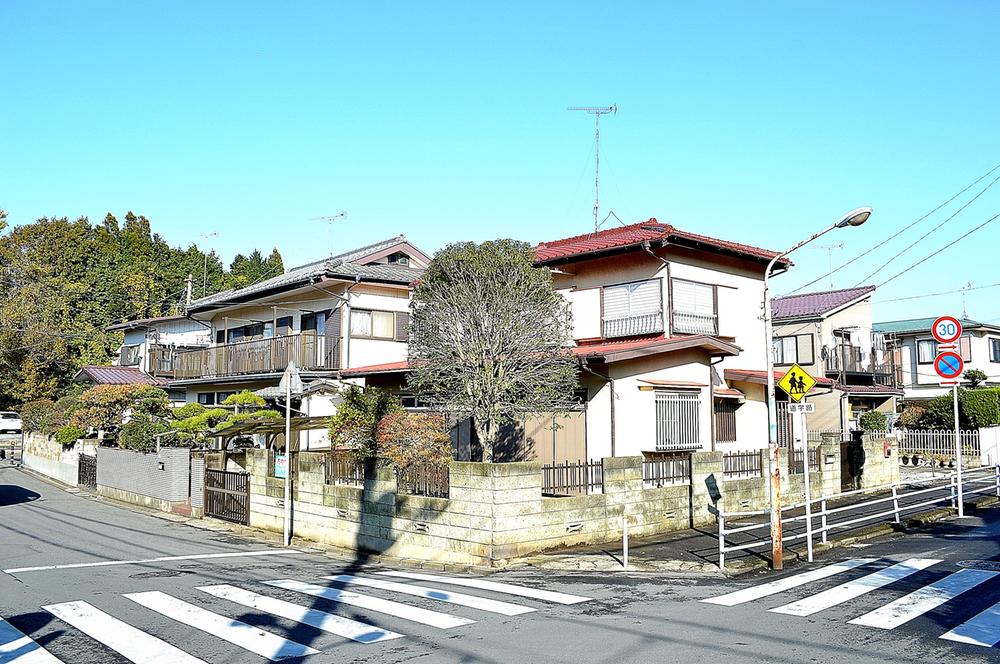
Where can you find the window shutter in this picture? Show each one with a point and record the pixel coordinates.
(805, 355)
(332, 336)
(615, 302)
(644, 297)
(694, 298)
(965, 348)
(402, 325)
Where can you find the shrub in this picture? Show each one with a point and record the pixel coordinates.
(981, 406)
(356, 424)
(188, 410)
(140, 432)
(940, 414)
(68, 434)
(408, 439)
(244, 398)
(149, 400)
(976, 377)
(872, 420)
(910, 417)
(104, 406)
(37, 415)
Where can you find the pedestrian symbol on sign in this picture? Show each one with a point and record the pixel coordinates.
(796, 383)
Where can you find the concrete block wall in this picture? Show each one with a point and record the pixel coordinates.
(136, 477)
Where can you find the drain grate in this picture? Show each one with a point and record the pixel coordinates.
(986, 565)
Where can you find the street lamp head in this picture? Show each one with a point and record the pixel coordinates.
(855, 217)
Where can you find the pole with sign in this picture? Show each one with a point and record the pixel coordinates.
(801, 410)
(949, 366)
(796, 383)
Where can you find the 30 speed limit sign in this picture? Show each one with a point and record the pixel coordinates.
(947, 329)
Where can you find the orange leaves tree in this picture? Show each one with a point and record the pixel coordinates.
(414, 439)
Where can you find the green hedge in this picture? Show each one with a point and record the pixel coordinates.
(67, 435)
(872, 420)
(981, 406)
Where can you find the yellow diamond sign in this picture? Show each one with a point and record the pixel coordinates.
(796, 383)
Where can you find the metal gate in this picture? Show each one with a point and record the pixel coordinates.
(227, 495)
(87, 472)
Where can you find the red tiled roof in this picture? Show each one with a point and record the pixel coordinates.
(760, 376)
(387, 367)
(816, 304)
(636, 234)
(654, 344)
(728, 392)
(109, 375)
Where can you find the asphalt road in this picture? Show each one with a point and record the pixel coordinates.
(626, 618)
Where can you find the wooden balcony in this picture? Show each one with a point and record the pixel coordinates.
(258, 356)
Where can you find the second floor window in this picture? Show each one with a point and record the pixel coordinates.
(374, 324)
(129, 356)
(634, 308)
(927, 349)
(793, 349)
(694, 307)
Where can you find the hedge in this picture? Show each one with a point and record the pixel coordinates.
(981, 406)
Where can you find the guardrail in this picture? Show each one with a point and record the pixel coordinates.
(975, 481)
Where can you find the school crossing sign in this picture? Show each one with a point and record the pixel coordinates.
(796, 383)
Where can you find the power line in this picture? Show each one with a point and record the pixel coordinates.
(922, 237)
(895, 235)
(931, 255)
(948, 292)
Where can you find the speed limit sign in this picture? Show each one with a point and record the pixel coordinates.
(946, 329)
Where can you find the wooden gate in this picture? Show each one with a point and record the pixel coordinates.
(227, 495)
(87, 472)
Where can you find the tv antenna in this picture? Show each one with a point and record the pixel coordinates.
(829, 255)
(597, 112)
(330, 219)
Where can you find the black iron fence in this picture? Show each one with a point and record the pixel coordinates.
(227, 495)
(666, 471)
(569, 478)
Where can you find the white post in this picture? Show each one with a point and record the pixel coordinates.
(958, 454)
(625, 542)
(722, 535)
(895, 503)
(822, 507)
(805, 468)
(288, 463)
(996, 472)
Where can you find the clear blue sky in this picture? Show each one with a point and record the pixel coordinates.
(759, 122)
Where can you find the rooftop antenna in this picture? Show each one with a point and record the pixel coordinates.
(829, 254)
(330, 219)
(965, 312)
(597, 112)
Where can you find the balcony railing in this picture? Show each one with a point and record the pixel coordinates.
(688, 323)
(270, 355)
(632, 325)
(848, 359)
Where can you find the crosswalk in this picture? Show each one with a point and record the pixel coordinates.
(982, 629)
(122, 635)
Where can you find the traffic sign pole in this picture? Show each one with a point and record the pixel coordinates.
(949, 365)
(958, 455)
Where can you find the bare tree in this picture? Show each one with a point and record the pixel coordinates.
(490, 337)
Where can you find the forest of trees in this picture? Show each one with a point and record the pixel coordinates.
(63, 282)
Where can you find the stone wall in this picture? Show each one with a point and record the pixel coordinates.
(879, 469)
(44, 455)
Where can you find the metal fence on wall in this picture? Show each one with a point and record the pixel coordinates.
(939, 442)
(569, 478)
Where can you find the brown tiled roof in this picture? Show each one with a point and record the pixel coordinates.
(109, 375)
(760, 376)
(387, 367)
(634, 235)
(816, 304)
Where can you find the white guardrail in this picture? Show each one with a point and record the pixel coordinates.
(975, 481)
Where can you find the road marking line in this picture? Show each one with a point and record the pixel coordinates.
(856, 588)
(248, 637)
(131, 643)
(774, 587)
(980, 630)
(351, 629)
(926, 599)
(432, 618)
(491, 605)
(162, 559)
(482, 584)
(16, 646)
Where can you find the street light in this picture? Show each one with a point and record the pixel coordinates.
(855, 217)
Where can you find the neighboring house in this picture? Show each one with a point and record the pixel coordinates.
(150, 344)
(345, 311)
(915, 350)
(668, 331)
(112, 375)
(830, 335)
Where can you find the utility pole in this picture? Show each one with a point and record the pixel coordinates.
(188, 281)
(597, 112)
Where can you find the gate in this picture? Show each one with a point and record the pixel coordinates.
(227, 495)
(87, 472)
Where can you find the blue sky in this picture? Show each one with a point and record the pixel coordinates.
(758, 122)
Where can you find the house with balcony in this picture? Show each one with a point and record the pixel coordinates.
(914, 350)
(830, 335)
(668, 331)
(348, 310)
(150, 344)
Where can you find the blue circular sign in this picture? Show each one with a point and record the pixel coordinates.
(949, 365)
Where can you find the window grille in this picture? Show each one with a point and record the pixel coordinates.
(677, 415)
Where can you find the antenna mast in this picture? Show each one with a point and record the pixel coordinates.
(829, 255)
(597, 112)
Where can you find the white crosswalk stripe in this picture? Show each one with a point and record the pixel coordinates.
(482, 584)
(481, 603)
(981, 630)
(774, 587)
(923, 600)
(416, 614)
(248, 637)
(328, 622)
(18, 648)
(131, 643)
(856, 588)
